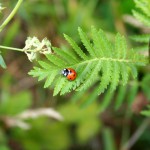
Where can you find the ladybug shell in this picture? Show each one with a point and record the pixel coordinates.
(71, 74)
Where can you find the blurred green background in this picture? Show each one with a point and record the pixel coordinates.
(84, 126)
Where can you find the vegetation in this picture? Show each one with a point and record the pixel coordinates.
(106, 106)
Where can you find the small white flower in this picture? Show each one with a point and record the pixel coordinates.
(33, 47)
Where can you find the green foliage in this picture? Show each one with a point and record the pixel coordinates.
(141, 38)
(4, 147)
(86, 121)
(1, 8)
(46, 133)
(13, 29)
(15, 103)
(146, 112)
(125, 94)
(142, 14)
(3, 141)
(145, 84)
(2, 63)
(104, 61)
(108, 139)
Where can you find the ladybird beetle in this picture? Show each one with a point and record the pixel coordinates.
(69, 73)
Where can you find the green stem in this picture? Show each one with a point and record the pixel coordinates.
(11, 15)
(11, 48)
(19, 49)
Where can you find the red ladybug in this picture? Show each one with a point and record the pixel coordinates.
(69, 73)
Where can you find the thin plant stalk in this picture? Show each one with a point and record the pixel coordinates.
(11, 48)
(7, 20)
(136, 135)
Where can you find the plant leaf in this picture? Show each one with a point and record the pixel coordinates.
(108, 63)
(2, 62)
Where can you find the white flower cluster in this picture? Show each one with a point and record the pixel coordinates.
(1, 8)
(33, 47)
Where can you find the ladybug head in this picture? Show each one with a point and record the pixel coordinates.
(65, 72)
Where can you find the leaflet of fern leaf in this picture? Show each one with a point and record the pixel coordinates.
(92, 76)
(144, 5)
(104, 44)
(145, 85)
(106, 100)
(114, 76)
(76, 48)
(83, 71)
(96, 45)
(106, 69)
(56, 61)
(77, 96)
(43, 75)
(142, 47)
(35, 72)
(67, 87)
(143, 38)
(44, 65)
(124, 73)
(66, 56)
(133, 70)
(59, 84)
(137, 59)
(91, 98)
(146, 113)
(132, 93)
(118, 49)
(86, 42)
(143, 18)
(123, 47)
(120, 97)
(50, 79)
(83, 74)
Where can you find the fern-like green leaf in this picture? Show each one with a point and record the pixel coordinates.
(144, 5)
(143, 18)
(143, 38)
(120, 96)
(106, 101)
(60, 83)
(75, 47)
(2, 62)
(146, 112)
(145, 84)
(106, 77)
(50, 79)
(115, 76)
(56, 60)
(65, 55)
(142, 14)
(86, 43)
(105, 62)
(88, 81)
(133, 90)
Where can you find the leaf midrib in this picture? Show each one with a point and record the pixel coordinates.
(106, 59)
